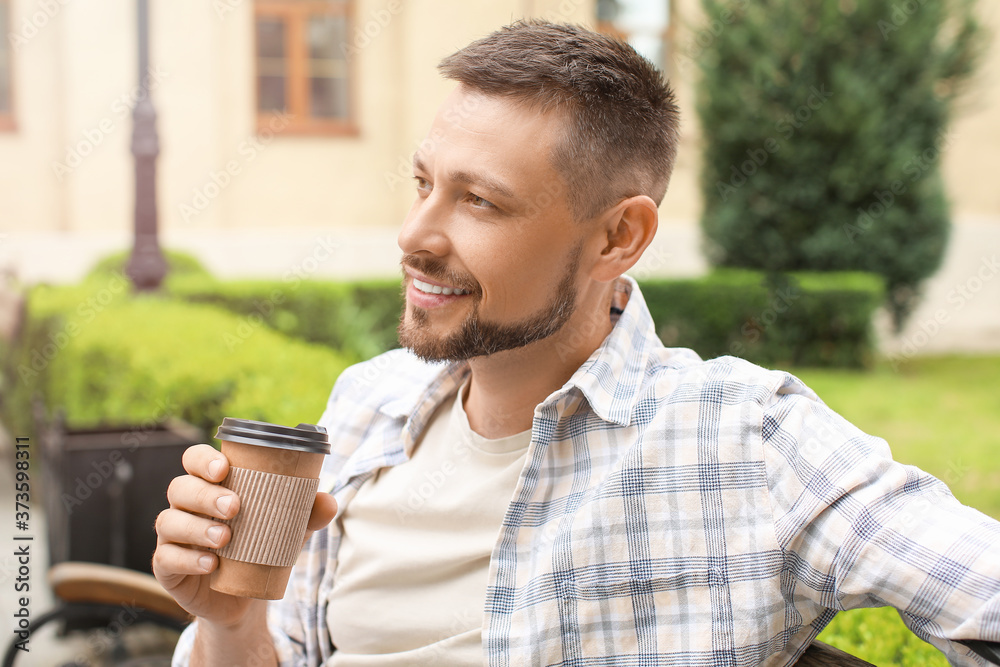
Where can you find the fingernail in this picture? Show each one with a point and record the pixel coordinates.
(224, 503)
(215, 467)
(215, 533)
(206, 562)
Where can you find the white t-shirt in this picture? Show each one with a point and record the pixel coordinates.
(411, 577)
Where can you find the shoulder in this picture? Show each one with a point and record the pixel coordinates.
(723, 379)
(760, 412)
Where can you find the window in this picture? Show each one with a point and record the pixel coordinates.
(645, 24)
(302, 65)
(6, 92)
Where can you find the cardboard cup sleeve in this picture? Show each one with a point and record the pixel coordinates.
(271, 523)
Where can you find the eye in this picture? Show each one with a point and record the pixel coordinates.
(423, 184)
(479, 202)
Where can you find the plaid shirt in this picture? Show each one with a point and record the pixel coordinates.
(671, 511)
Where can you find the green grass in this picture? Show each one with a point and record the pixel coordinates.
(941, 414)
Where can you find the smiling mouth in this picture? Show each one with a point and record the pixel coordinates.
(428, 288)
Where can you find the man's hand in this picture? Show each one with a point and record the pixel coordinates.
(185, 532)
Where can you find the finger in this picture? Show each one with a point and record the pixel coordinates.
(206, 462)
(175, 526)
(323, 510)
(192, 494)
(171, 561)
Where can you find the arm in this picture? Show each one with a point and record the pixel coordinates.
(244, 643)
(861, 530)
(230, 630)
(293, 625)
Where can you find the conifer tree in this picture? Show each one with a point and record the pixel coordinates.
(824, 122)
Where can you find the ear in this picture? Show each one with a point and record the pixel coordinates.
(625, 232)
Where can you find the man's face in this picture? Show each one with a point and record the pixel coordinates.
(491, 251)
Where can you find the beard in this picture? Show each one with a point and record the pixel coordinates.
(477, 337)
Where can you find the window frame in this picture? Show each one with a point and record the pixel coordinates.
(8, 121)
(295, 15)
(668, 37)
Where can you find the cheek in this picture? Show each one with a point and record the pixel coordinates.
(516, 281)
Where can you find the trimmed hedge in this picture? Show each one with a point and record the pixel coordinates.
(357, 318)
(807, 319)
(825, 123)
(178, 264)
(799, 319)
(109, 356)
(144, 358)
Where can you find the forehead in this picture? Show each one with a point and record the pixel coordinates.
(509, 140)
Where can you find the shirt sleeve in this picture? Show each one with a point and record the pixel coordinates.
(859, 529)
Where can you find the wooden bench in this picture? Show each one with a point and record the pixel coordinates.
(823, 655)
(94, 596)
(93, 583)
(90, 583)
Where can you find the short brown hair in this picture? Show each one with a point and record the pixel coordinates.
(624, 121)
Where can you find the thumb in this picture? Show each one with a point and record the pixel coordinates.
(323, 511)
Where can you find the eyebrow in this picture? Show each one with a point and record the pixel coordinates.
(472, 178)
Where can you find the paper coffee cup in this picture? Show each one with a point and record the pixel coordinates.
(274, 470)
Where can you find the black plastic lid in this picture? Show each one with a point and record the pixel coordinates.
(303, 438)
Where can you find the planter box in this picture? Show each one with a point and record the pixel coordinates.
(104, 488)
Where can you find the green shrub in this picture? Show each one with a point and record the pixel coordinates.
(802, 319)
(143, 358)
(824, 122)
(178, 264)
(357, 318)
(727, 312)
(880, 637)
(107, 355)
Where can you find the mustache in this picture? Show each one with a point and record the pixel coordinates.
(438, 270)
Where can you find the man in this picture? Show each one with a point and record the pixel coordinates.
(564, 489)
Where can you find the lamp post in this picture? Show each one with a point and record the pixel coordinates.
(146, 266)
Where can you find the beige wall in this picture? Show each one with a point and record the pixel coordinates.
(30, 197)
(82, 60)
(970, 162)
(71, 75)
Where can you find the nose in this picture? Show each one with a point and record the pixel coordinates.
(425, 228)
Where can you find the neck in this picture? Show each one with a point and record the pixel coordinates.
(505, 388)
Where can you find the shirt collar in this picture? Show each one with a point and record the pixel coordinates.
(610, 379)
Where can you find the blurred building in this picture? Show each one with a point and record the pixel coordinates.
(286, 119)
(272, 113)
